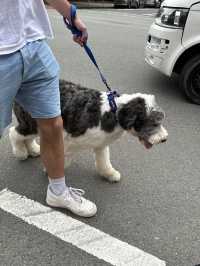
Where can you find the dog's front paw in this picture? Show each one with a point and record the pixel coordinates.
(18, 145)
(112, 175)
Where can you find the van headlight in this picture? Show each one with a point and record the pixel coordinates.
(172, 17)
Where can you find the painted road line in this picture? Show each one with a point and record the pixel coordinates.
(150, 15)
(79, 234)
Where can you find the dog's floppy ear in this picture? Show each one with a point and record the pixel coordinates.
(132, 114)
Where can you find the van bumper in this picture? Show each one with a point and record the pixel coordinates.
(163, 48)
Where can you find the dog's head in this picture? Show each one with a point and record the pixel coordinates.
(143, 118)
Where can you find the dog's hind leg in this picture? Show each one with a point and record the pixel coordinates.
(18, 144)
(104, 166)
(23, 136)
(32, 146)
(23, 146)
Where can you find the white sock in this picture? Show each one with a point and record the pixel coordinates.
(57, 185)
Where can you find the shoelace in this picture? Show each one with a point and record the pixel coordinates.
(75, 193)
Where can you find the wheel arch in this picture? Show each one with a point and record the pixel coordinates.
(185, 56)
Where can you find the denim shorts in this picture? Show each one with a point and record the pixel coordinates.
(29, 76)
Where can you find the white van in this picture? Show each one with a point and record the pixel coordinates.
(173, 44)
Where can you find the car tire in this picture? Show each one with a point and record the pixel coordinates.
(189, 79)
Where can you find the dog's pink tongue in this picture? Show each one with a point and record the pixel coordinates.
(147, 145)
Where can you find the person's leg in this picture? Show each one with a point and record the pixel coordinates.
(40, 96)
(52, 146)
(52, 152)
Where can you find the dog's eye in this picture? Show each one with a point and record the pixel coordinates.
(155, 125)
(138, 125)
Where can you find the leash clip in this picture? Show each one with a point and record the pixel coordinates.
(111, 95)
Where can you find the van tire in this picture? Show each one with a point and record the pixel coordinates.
(189, 79)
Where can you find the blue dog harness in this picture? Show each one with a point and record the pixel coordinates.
(70, 25)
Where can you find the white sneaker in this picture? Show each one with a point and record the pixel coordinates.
(72, 200)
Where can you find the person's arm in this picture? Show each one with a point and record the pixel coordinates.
(64, 7)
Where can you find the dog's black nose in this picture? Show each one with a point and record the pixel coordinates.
(163, 140)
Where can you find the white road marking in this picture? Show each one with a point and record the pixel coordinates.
(83, 236)
(150, 15)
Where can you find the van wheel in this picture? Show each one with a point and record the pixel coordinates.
(190, 79)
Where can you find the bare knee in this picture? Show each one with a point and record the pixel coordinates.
(50, 127)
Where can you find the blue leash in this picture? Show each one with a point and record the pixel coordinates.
(110, 94)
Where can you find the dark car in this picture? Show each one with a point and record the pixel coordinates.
(152, 3)
(129, 3)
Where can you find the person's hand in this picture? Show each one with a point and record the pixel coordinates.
(80, 26)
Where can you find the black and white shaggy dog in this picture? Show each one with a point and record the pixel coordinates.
(89, 123)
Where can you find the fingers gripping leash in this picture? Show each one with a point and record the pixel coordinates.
(71, 26)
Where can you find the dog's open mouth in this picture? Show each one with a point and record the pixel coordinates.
(146, 143)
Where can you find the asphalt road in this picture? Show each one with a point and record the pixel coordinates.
(155, 207)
